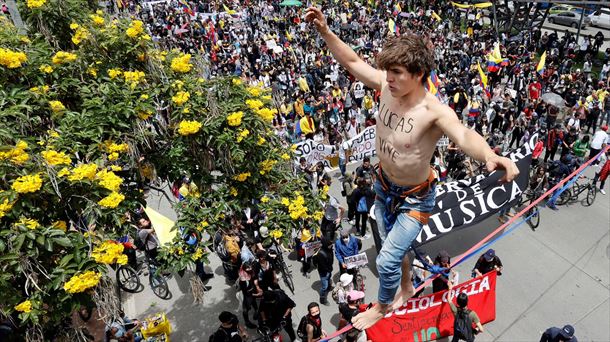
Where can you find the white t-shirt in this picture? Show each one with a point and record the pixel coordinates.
(599, 138)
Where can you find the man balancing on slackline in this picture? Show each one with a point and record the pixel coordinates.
(409, 124)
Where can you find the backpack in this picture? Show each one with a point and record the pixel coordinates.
(139, 243)
(302, 328)
(362, 207)
(335, 292)
(222, 252)
(462, 326)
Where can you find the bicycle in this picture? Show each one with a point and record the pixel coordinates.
(360, 261)
(128, 278)
(358, 279)
(277, 261)
(577, 189)
(532, 215)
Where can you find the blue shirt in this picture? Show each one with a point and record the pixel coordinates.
(343, 250)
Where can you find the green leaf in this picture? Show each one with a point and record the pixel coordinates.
(30, 235)
(40, 240)
(19, 241)
(63, 241)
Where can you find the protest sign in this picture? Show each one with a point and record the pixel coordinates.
(429, 317)
(357, 260)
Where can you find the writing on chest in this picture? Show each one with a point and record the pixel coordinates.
(394, 121)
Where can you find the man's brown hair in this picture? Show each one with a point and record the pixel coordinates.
(409, 51)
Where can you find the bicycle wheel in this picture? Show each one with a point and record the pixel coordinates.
(575, 192)
(591, 193)
(564, 197)
(534, 217)
(287, 277)
(159, 286)
(128, 279)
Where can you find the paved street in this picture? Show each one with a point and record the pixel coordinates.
(555, 275)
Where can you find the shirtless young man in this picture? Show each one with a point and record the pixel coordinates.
(410, 123)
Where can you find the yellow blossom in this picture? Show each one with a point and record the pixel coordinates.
(35, 3)
(254, 91)
(92, 71)
(113, 156)
(17, 154)
(133, 77)
(25, 306)
(81, 282)
(242, 135)
(261, 141)
(233, 192)
(56, 158)
(276, 234)
(97, 19)
(25, 39)
(234, 119)
(197, 255)
(12, 59)
(187, 127)
(266, 113)
(113, 73)
(254, 104)
(293, 147)
(62, 57)
(114, 147)
(108, 252)
(181, 97)
(29, 223)
(109, 180)
(61, 225)
(266, 166)
(264, 199)
(202, 225)
(144, 115)
(135, 29)
(27, 183)
(285, 156)
(63, 172)
(317, 216)
(80, 35)
(285, 201)
(144, 97)
(182, 63)
(236, 81)
(47, 69)
(5, 207)
(112, 200)
(74, 26)
(115, 168)
(266, 97)
(83, 171)
(40, 90)
(57, 106)
(242, 177)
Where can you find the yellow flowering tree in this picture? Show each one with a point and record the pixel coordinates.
(92, 114)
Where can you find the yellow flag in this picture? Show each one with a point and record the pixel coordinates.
(163, 226)
(436, 16)
(482, 75)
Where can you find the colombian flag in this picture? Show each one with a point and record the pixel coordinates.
(186, 8)
(492, 66)
(541, 64)
(432, 83)
(393, 27)
(436, 16)
(483, 81)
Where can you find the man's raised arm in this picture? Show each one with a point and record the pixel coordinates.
(344, 54)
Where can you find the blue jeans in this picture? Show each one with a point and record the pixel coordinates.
(397, 242)
(342, 166)
(325, 284)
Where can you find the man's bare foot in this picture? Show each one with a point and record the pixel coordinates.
(367, 319)
(402, 296)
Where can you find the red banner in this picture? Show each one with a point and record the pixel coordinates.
(429, 317)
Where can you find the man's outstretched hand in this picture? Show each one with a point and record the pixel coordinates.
(315, 16)
(503, 163)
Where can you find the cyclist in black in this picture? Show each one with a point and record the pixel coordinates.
(558, 171)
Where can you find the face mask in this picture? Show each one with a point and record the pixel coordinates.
(346, 240)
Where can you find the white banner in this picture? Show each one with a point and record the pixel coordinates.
(315, 152)
(362, 145)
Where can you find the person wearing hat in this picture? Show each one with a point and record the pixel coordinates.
(349, 310)
(487, 263)
(441, 283)
(229, 330)
(323, 260)
(555, 334)
(343, 287)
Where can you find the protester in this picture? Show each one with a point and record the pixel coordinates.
(313, 324)
(324, 260)
(276, 310)
(347, 245)
(555, 334)
(464, 318)
(363, 198)
(487, 262)
(230, 330)
(348, 311)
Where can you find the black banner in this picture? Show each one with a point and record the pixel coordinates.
(465, 203)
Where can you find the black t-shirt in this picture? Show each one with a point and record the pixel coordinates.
(347, 312)
(226, 335)
(485, 266)
(274, 312)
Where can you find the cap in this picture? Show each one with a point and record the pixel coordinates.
(490, 254)
(355, 295)
(604, 128)
(346, 279)
(227, 317)
(264, 231)
(567, 331)
(443, 256)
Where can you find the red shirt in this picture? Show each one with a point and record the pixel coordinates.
(534, 90)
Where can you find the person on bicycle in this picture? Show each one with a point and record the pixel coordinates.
(347, 245)
(558, 171)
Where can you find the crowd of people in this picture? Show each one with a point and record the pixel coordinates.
(506, 101)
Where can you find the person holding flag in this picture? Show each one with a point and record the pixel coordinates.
(409, 124)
